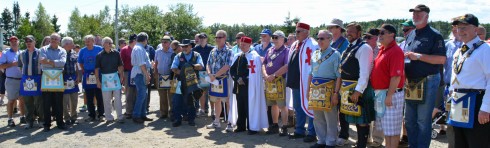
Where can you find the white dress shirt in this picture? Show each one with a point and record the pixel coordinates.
(475, 73)
(365, 57)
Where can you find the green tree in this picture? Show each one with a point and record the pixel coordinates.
(16, 11)
(54, 22)
(7, 24)
(182, 21)
(25, 28)
(41, 24)
(143, 19)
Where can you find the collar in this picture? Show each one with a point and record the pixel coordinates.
(140, 45)
(356, 41)
(190, 53)
(11, 50)
(424, 29)
(340, 39)
(222, 49)
(279, 49)
(392, 43)
(328, 50)
(472, 42)
(110, 51)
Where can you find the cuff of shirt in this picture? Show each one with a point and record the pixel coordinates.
(358, 88)
(485, 108)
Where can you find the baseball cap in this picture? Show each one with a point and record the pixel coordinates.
(279, 33)
(30, 37)
(13, 38)
(466, 19)
(420, 7)
(266, 31)
(203, 35)
(372, 32)
(408, 23)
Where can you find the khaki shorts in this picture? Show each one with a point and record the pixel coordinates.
(214, 99)
(12, 87)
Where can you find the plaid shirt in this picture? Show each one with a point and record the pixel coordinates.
(71, 62)
(219, 58)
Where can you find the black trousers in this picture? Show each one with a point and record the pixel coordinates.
(53, 104)
(242, 107)
(97, 93)
(476, 137)
(344, 126)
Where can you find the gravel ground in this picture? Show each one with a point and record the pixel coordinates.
(158, 133)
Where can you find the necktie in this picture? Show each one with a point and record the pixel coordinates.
(299, 45)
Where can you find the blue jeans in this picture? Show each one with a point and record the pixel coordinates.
(180, 107)
(139, 110)
(418, 117)
(301, 116)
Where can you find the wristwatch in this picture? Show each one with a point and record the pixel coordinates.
(418, 56)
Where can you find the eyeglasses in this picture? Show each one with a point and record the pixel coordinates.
(275, 37)
(28, 41)
(219, 37)
(237, 38)
(321, 38)
(367, 37)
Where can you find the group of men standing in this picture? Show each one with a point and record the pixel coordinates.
(329, 81)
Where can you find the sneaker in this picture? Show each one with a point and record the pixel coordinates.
(11, 123)
(83, 108)
(229, 128)
(213, 125)
(212, 114)
(341, 142)
(309, 138)
(23, 120)
(284, 131)
(201, 113)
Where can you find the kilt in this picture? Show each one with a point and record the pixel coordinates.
(368, 113)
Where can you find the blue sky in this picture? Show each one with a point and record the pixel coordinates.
(314, 12)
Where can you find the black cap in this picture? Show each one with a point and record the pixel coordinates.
(30, 37)
(420, 7)
(132, 37)
(203, 35)
(389, 27)
(372, 32)
(185, 42)
(466, 19)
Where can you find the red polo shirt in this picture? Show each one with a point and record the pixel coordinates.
(126, 57)
(389, 63)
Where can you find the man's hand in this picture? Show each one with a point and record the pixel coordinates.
(389, 101)
(355, 96)
(148, 79)
(334, 100)
(270, 78)
(99, 85)
(483, 117)
(211, 77)
(411, 55)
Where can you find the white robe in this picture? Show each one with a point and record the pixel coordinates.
(257, 108)
(306, 50)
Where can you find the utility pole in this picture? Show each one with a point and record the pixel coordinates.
(115, 26)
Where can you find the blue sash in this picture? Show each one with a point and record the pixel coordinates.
(89, 79)
(70, 84)
(52, 80)
(30, 85)
(202, 79)
(462, 109)
(220, 90)
(379, 105)
(164, 81)
(111, 82)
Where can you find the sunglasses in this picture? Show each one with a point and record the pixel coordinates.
(28, 41)
(219, 37)
(405, 30)
(275, 37)
(237, 38)
(367, 37)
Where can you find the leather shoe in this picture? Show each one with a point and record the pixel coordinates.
(147, 119)
(176, 124)
(138, 120)
(239, 130)
(252, 132)
(309, 138)
(296, 136)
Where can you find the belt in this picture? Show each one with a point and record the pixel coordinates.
(399, 90)
(14, 78)
(469, 90)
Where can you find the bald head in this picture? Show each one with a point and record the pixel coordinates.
(481, 32)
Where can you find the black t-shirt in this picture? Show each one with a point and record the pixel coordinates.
(204, 51)
(427, 41)
(293, 72)
(108, 62)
